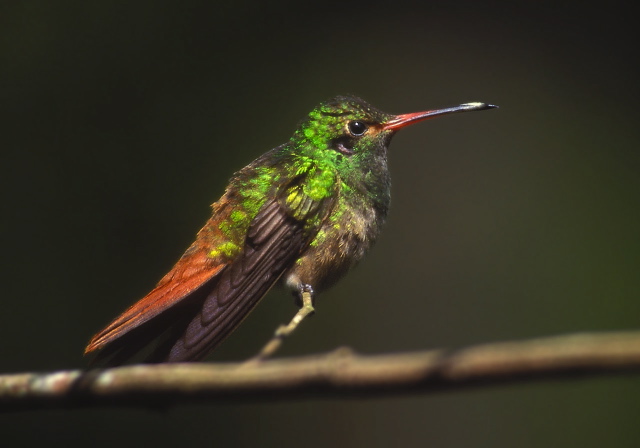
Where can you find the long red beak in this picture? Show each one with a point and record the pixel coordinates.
(400, 121)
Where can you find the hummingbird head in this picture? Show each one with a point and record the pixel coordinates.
(349, 137)
(345, 125)
(349, 126)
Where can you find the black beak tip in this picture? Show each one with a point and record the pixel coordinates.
(478, 106)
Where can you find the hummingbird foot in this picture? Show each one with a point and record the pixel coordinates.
(306, 295)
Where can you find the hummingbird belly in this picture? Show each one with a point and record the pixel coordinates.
(339, 245)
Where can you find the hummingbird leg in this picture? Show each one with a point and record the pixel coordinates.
(305, 293)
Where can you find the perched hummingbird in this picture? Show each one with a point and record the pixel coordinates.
(304, 212)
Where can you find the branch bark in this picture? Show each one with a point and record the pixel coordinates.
(338, 374)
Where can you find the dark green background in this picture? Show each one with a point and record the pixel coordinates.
(121, 121)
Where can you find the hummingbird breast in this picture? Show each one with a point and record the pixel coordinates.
(343, 239)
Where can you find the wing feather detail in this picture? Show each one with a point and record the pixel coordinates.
(275, 239)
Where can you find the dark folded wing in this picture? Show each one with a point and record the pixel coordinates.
(276, 238)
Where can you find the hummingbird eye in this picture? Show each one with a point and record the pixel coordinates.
(357, 128)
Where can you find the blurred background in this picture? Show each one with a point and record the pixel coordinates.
(120, 122)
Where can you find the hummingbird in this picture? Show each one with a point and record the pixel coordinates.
(301, 214)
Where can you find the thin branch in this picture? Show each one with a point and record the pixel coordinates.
(338, 374)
